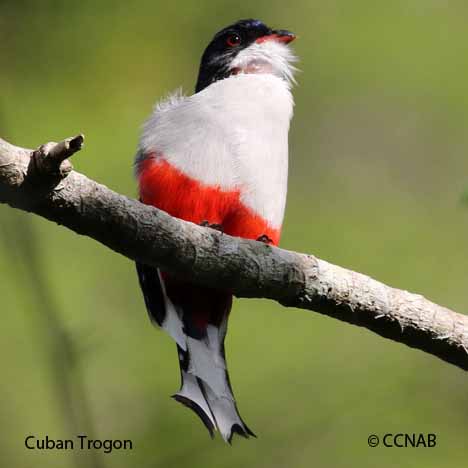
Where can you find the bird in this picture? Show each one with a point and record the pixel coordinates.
(217, 158)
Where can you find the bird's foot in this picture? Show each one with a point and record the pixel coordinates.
(265, 239)
(218, 227)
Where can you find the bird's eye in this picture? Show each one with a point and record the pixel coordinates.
(233, 40)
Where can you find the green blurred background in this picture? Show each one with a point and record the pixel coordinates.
(378, 155)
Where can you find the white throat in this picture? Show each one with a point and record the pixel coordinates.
(268, 57)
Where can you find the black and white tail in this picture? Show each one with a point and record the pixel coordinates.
(205, 386)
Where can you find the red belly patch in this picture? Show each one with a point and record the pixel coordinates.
(168, 189)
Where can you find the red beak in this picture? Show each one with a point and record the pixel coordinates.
(279, 35)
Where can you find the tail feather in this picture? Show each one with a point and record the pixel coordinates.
(210, 395)
(191, 396)
(228, 419)
(197, 321)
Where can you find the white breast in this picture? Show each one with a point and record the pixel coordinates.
(233, 134)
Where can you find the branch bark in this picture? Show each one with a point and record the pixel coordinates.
(210, 258)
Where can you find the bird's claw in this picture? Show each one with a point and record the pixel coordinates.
(265, 239)
(217, 227)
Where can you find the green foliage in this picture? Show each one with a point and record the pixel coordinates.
(378, 156)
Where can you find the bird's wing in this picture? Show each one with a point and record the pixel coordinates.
(153, 293)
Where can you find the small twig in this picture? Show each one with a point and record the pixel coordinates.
(50, 161)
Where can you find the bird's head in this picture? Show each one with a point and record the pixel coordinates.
(248, 46)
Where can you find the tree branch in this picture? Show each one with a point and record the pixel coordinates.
(210, 258)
